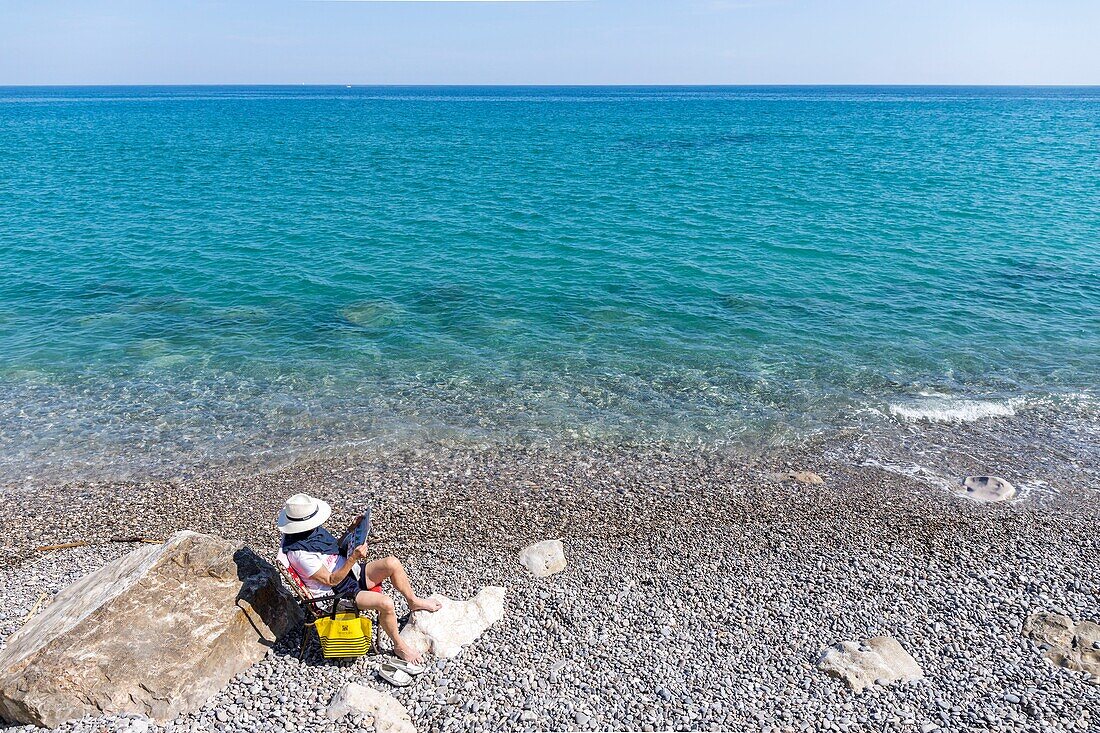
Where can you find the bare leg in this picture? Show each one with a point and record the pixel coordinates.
(390, 567)
(387, 618)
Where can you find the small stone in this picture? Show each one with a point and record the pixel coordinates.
(138, 725)
(388, 714)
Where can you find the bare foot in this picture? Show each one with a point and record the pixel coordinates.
(431, 605)
(407, 653)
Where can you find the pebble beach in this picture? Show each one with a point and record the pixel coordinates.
(700, 591)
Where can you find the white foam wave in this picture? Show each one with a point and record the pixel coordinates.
(954, 410)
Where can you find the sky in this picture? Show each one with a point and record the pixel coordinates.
(549, 42)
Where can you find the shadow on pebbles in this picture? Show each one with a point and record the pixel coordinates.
(700, 592)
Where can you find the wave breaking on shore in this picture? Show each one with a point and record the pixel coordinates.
(954, 409)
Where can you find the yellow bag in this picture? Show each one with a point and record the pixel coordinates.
(343, 635)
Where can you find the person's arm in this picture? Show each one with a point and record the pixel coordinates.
(333, 578)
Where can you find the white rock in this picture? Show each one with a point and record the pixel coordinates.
(543, 558)
(987, 489)
(862, 664)
(1069, 645)
(456, 624)
(388, 714)
(137, 725)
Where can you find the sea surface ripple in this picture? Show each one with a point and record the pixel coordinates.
(208, 275)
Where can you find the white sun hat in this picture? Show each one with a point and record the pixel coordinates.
(302, 513)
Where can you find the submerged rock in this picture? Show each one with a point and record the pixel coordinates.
(543, 558)
(371, 314)
(156, 632)
(456, 624)
(1069, 645)
(881, 660)
(387, 714)
(987, 489)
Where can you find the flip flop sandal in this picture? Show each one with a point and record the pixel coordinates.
(407, 667)
(396, 677)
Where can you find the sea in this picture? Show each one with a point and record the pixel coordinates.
(242, 277)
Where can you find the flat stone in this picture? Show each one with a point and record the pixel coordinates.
(383, 709)
(543, 558)
(987, 489)
(881, 660)
(1069, 645)
(157, 632)
(456, 624)
(801, 477)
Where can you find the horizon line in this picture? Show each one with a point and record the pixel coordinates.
(695, 85)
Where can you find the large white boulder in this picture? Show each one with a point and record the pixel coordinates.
(987, 489)
(543, 558)
(456, 624)
(1069, 645)
(388, 714)
(881, 660)
(156, 632)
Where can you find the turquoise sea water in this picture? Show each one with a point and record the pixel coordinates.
(196, 275)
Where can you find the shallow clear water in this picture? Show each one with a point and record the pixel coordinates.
(197, 275)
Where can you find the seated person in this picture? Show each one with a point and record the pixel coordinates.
(315, 555)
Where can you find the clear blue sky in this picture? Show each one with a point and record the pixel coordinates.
(569, 42)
